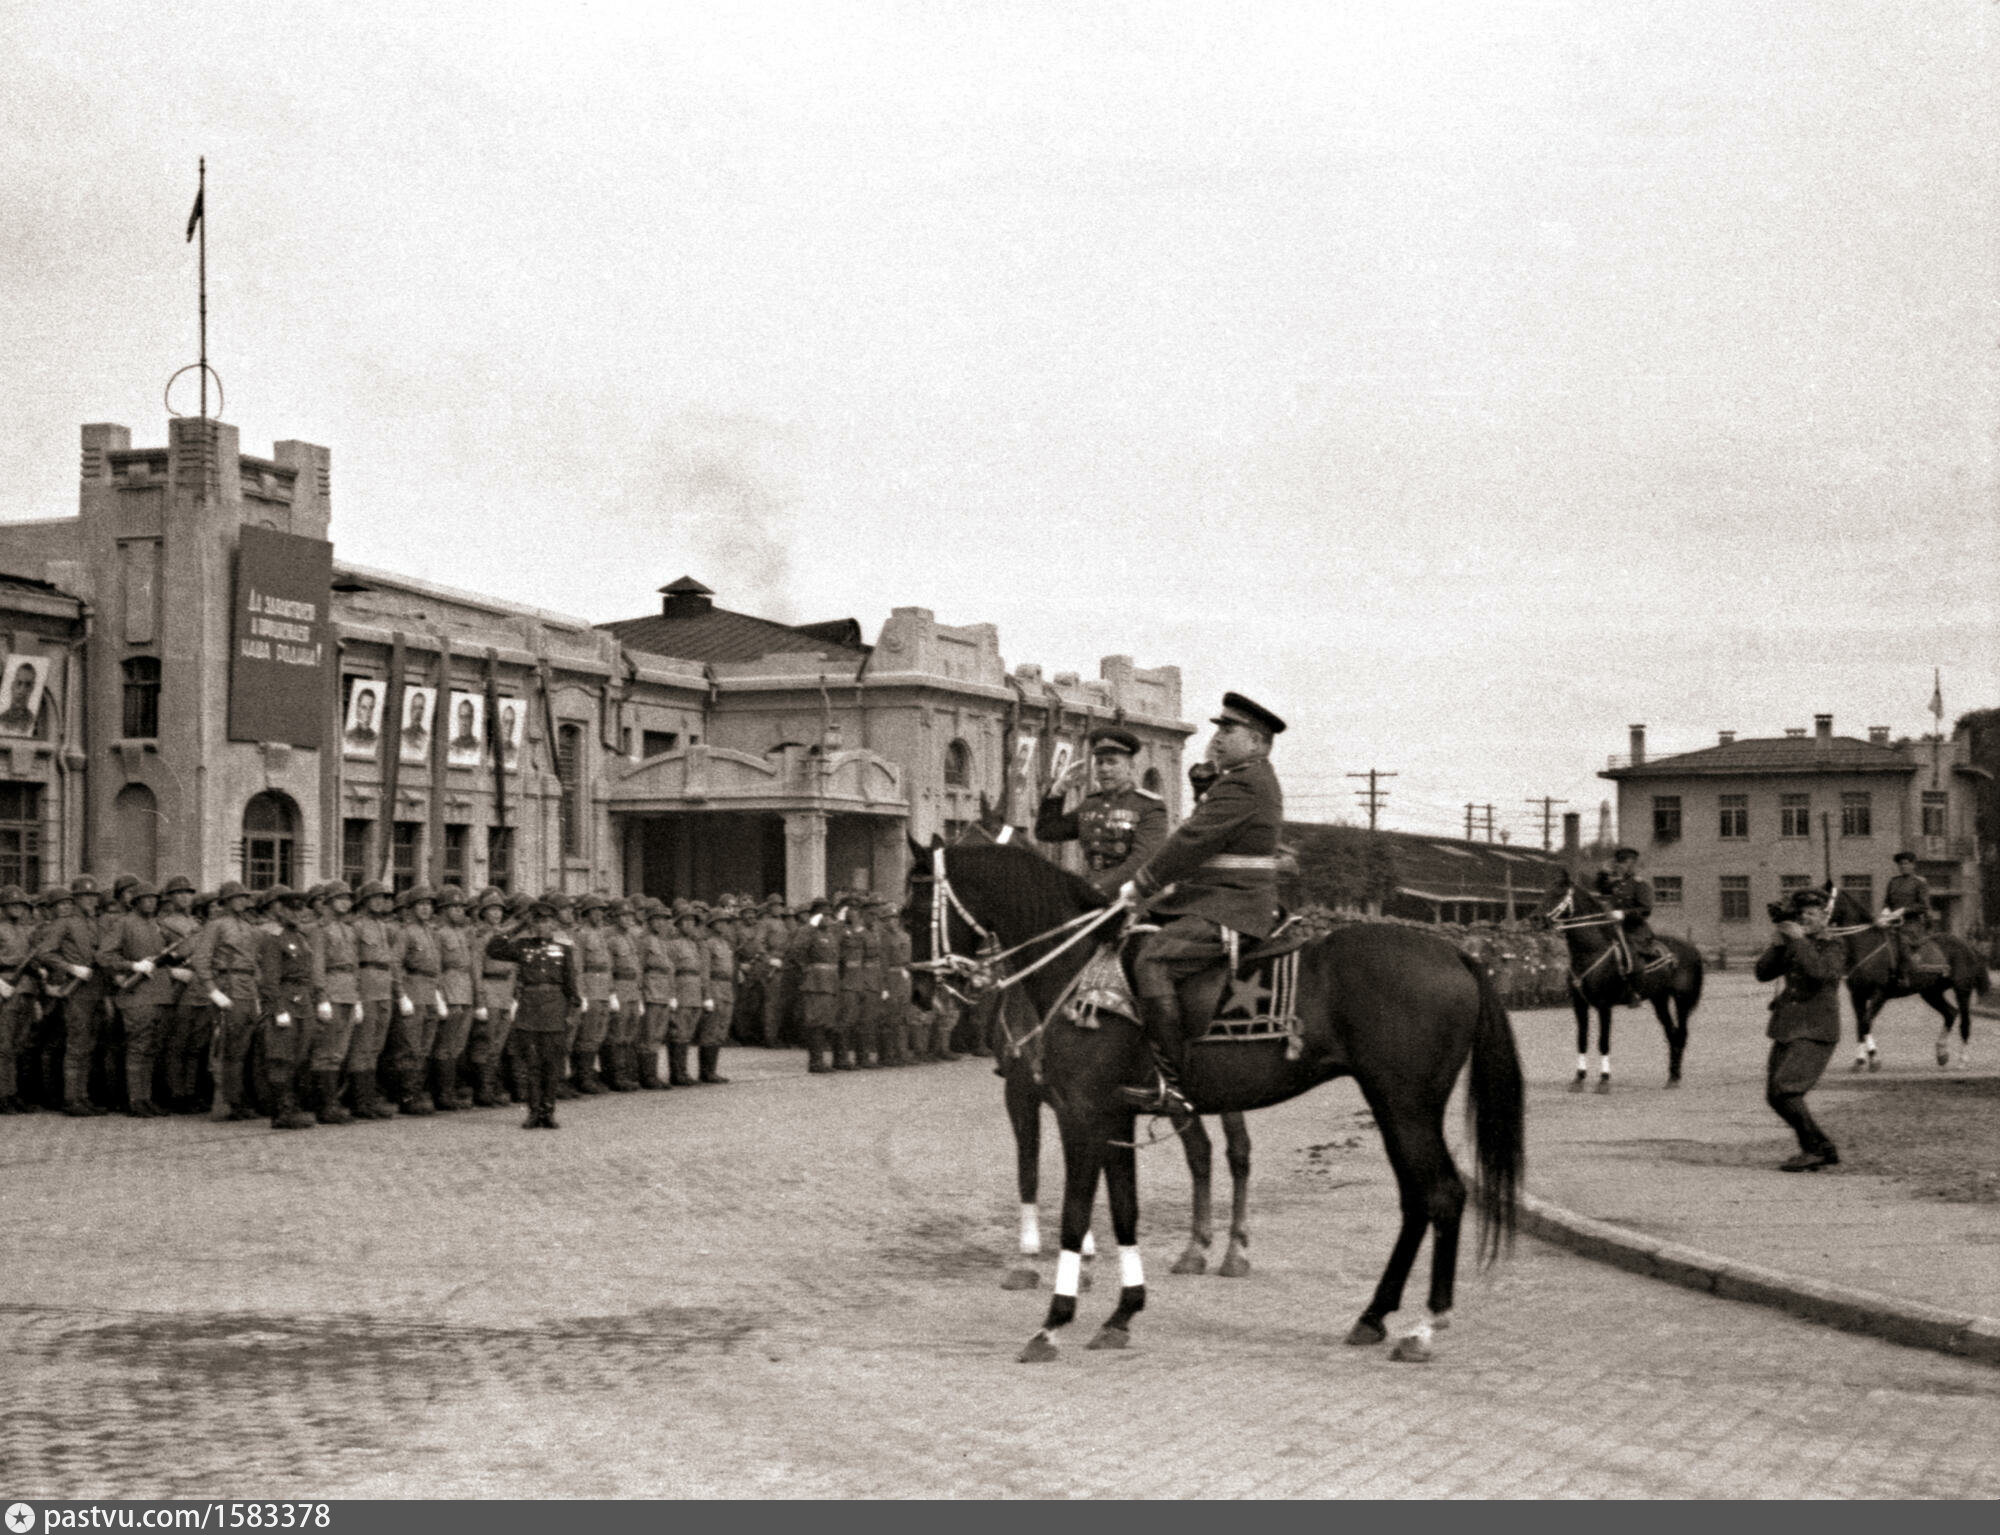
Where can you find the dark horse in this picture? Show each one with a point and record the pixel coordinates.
(1596, 979)
(1005, 1018)
(1872, 981)
(1398, 1010)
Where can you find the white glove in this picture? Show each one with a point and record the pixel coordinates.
(6, 991)
(479, 1013)
(438, 998)
(612, 1002)
(1128, 893)
(181, 975)
(885, 996)
(708, 1006)
(355, 1015)
(1618, 916)
(81, 972)
(513, 1009)
(219, 998)
(775, 963)
(283, 1020)
(142, 967)
(405, 1006)
(324, 1012)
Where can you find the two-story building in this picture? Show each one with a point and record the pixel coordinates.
(194, 684)
(1727, 828)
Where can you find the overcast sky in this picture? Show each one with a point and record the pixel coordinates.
(1463, 381)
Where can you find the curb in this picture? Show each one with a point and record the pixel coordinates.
(1960, 1333)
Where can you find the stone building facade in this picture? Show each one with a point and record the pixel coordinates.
(736, 754)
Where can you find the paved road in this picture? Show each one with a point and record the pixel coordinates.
(789, 1287)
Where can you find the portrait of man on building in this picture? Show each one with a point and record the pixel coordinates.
(468, 718)
(416, 733)
(360, 736)
(21, 692)
(510, 732)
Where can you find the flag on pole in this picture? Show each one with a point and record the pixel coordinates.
(1937, 696)
(194, 217)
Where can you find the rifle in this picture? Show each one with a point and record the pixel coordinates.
(175, 950)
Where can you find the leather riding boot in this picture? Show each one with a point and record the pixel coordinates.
(1164, 1033)
(709, 1056)
(286, 1113)
(438, 1077)
(625, 1060)
(815, 1044)
(648, 1061)
(677, 1065)
(139, 1086)
(487, 1094)
(327, 1090)
(583, 1072)
(411, 1093)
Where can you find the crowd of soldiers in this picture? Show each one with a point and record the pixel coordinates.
(333, 1004)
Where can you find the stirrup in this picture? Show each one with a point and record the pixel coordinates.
(1159, 1096)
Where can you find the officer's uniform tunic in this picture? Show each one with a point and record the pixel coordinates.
(340, 973)
(593, 957)
(1118, 829)
(819, 980)
(656, 988)
(454, 943)
(545, 986)
(413, 1034)
(127, 938)
(17, 1010)
(290, 987)
(492, 994)
(715, 1024)
(71, 943)
(1804, 1027)
(690, 957)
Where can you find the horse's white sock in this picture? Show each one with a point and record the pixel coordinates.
(1131, 1272)
(1090, 1244)
(1069, 1270)
(1031, 1230)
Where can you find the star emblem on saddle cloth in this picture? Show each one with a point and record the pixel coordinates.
(1244, 995)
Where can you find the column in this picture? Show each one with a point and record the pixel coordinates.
(805, 856)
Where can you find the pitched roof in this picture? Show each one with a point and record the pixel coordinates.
(715, 634)
(1444, 868)
(1773, 754)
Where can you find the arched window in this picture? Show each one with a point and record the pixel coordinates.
(569, 773)
(136, 816)
(270, 840)
(958, 766)
(1151, 781)
(142, 698)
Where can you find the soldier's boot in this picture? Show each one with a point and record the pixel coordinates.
(487, 1094)
(648, 1061)
(815, 1048)
(414, 1097)
(889, 1045)
(76, 1091)
(867, 1050)
(677, 1066)
(286, 1114)
(626, 1058)
(583, 1072)
(326, 1087)
(941, 1044)
(437, 1080)
(139, 1085)
(1162, 1095)
(710, 1056)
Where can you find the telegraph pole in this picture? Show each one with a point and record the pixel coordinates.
(1468, 821)
(1548, 804)
(1488, 809)
(1371, 794)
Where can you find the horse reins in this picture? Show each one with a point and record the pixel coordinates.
(979, 973)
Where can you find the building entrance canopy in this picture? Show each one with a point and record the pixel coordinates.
(789, 779)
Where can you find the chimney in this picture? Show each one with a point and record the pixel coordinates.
(1823, 729)
(1638, 745)
(1604, 821)
(1878, 735)
(1726, 738)
(1572, 831)
(685, 598)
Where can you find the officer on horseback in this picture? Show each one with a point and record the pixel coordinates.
(1631, 901)
(1119, 824)
(1218, 870)
(1906, 911)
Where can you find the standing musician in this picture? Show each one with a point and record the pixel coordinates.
(1219, 869)
(1631, 900)
(1119, 824)
(1906, 912)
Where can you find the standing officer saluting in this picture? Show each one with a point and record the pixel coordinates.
(1805, 1019)
(1218, 870)
(1119, 824)
(546, 988)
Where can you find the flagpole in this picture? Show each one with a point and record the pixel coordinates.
(201, 202)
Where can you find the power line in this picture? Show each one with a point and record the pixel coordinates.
(1373, 795)
(1548, 804)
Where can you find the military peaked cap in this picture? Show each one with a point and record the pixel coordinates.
(1111, 740)
(1812, 895)
(1625, 852)
(1902, 854)
(1238, 710)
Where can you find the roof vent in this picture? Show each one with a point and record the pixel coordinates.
(685, 598)
(1795, 732)
(1878, 735)
(1823, 728)
(1726, 738)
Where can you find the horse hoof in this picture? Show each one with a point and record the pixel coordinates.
(1577, 1085)
(1235, 1266)
(1859, 1064)
(1943, 1057)
(1040, 1350)
(1604, 1084)
(1874, 1062)
(1411, 1351)
(1365, 1332)
(1110, 1337)
(1020, 1279)
(1190, 1263)
(1674, 1081)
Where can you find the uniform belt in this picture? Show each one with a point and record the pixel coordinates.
(1242, 861)
(234, 970)
(371, 964)
(338, 969)
(597, 970)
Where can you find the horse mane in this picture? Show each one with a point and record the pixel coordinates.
(1042, 894)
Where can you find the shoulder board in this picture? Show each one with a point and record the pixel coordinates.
(1147, 794)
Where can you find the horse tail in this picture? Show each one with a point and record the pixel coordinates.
(1496, 1110)
(1982, 979)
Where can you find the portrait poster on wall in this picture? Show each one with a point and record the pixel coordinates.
(419, 705)
(467, 723)
(22, 684)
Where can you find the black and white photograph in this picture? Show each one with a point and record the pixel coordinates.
(996, 751)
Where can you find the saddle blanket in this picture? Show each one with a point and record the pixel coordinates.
(1260, 1001)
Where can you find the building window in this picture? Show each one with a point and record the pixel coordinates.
(1735, 898)
(357, 839)
(1666, 818)
(21, 835)
(270, 841)
(1861, 888)
(1855, 818)
(657, 743)
(1935, 804)
(1667, 890)
(455, 839)
(500, 857)
(1787, 883)
(403, 855)
(1795, 815)
(569, 772)
(1735, 819)
(958, 766)
(142, 698)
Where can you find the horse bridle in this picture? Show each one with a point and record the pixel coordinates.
(987, 972)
